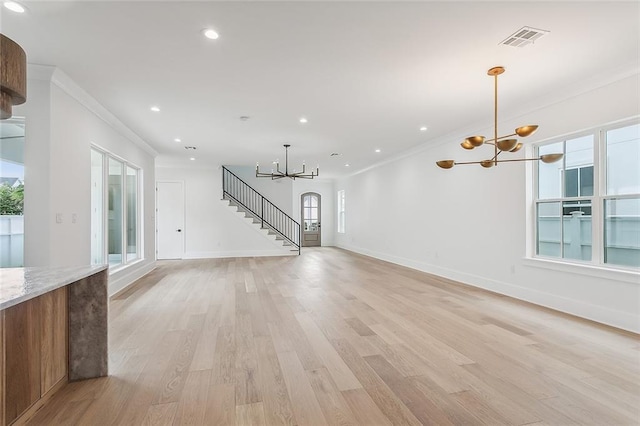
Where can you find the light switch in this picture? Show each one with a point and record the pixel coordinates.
(74, 217)
(58, 217)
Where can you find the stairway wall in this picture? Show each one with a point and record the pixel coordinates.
(279, 192)
(212, 229)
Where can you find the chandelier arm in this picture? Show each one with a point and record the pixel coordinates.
(497, 161)
(279, 174)
(518, 159)
(490, 141)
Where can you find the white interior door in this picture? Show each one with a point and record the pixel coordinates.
(170, 220)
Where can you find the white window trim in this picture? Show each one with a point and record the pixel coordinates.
(341, 209)
(595, 267)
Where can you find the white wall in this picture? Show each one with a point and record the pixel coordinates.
(37, 114)
(470, 224)
(327, 207)
(62, 121)
(212, 229)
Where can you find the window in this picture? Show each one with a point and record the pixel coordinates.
(115, 213)
(588, 205)
(341, 218)
(310, 208)
(12, 192)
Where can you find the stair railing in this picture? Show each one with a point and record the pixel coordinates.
(269, 214)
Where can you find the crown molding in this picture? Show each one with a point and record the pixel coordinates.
(71, 88)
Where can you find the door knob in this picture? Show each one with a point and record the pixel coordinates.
(178, 230)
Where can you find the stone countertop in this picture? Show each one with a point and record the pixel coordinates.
(18, 285)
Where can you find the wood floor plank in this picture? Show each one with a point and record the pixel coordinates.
(304, 403)
(339, 371)
(335, 408)
(276, 402)
(221, 405)
(160, 415)
(193, 399)
(418, 403)
(250, 415)
(175, 376)
(332, 337)
(384, 397)
(364, 409)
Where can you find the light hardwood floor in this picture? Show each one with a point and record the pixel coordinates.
(331, 337)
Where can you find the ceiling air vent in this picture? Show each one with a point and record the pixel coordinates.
(190, 147)
(524, 36)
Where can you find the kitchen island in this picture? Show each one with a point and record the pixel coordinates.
(53, 329)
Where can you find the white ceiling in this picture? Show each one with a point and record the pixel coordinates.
(367, 75)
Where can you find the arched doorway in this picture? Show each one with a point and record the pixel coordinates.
(310, 215)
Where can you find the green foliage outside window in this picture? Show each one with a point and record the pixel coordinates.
(11, 200)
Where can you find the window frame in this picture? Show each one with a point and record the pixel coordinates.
(341, 211)
(106, 155)
(597, 200)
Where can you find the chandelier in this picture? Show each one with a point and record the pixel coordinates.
(278, 174)
(500, 143)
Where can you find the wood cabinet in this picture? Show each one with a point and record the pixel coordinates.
(53, 338)
(53, 329)
(22, 357)
(35, 351)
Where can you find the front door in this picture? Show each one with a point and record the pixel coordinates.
(170, 220)
(310, 203)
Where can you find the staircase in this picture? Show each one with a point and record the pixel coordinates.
(262, 211)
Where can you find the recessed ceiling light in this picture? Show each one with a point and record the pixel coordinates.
(192, 159)
(14, 7)
(347, 165)
(423, 128)
(303, 120)
(155, 109)
(210, 34)
(377, 150)
(177, 140)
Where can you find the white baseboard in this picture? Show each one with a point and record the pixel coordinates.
(600, 314)
(120, 280)
(237, 253)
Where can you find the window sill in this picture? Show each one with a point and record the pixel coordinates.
(624, 275)
(118, 268)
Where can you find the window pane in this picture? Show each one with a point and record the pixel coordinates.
(314, 201)
(115, 212)
(97, 201)
(576, 228)
(132, 213)
(549, 231)
(549, 185)
(571, 183)
(579, 155)
(12, 193)
(622, 232)
(623, 157)
(586, 181)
